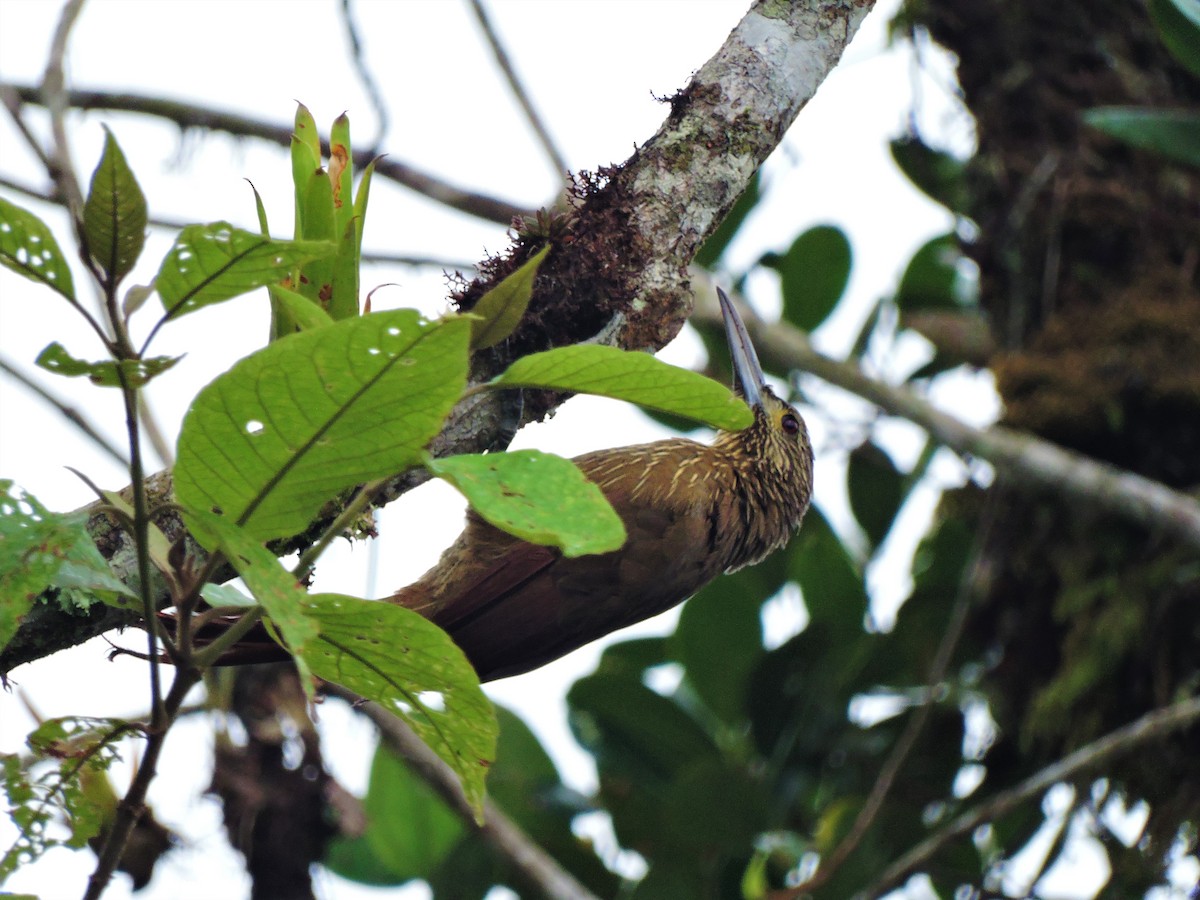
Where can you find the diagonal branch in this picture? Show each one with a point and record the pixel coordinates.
(535, 866)
(1025, 458)
(1149, 727)
(518, 88)
(619, 273)
(189, 115)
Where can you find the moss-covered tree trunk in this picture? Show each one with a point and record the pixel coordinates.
(1089, 257)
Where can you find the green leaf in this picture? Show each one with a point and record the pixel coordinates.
(274, 588)
(1173, 133)
(719, 635)
(631, 728)
(341, 173)
(936, 173)
(626, 375)
(41, 549)
(105, 372)
(830, 580)
(76, 788)
(539, 497)
(316, 276)
(343, 287)
(714, 806)
(931, 280)
(641, 742)
(114, 215)
(260, 210)
(712, 249)
(410, 667)
(306, 159)
(501, 309)
(298, 309)
(814, 272)
(409, 828)
(1178, 24)
(876, 490)
(212, 263)
(269, 442)
(360, 203)
(28, 248)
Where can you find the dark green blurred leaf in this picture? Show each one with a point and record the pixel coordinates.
(1173, 133)
(931, 279)
(671, 880)
(1178, 24)
(903, 656)
(710, 251)
(629, 727)
(719, 636)
(525, 784)
(876, 490)
(935, 172)
(830, 579)
(814, 272)
(409, 829)
(714, 807)
(633, 657)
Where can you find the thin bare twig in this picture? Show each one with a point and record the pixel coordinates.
(12, 103)
(130, 809)
(518, 88)
(153, 431)
(1023, 457)
(1153, 725)
(540, 870)
(189, 115)
(69, 412)
(54, 97)
(370, 85)
(369, 256)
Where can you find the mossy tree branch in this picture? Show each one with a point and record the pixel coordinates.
(620, 272)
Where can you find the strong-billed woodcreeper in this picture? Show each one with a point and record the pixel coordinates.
(691, 512)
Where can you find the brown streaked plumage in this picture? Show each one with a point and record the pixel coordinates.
(691, 511)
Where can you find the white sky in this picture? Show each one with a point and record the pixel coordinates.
(591, 68)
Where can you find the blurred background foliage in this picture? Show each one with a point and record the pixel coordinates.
(731, 761)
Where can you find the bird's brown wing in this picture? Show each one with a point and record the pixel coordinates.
(513, 606)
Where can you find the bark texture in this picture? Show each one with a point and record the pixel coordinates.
(1088, 255)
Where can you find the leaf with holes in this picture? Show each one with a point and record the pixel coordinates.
(105, 372)
(41, 549)
(211, 263)
(626, 375)
(114, 216)
(410, 667)
(537, 496)
(28, 247)
(269, 442)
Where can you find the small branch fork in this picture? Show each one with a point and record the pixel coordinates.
(535, 866)
(1148, 728)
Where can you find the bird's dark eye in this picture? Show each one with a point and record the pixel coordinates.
(790, 423)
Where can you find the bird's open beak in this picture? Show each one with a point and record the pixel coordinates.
(746, 367)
